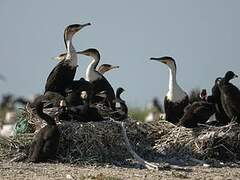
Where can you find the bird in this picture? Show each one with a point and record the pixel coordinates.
(106, 67)
(176, 99)
(220, 115)
(230, 96)
(99, 82)
(45, 144)
(196, 113)
(122, 111)
(80, 113)
(63, 73)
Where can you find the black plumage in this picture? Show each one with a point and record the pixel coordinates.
(215, 98)
(73, 97)
(175, 110)
(122, 111)
(230, 96)
(44, 145)
(197, 112)
(60, 78)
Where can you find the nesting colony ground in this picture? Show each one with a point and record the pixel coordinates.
(99, 147)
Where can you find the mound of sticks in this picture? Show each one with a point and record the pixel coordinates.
(105, 142)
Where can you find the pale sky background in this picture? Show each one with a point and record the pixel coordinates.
(202, 36)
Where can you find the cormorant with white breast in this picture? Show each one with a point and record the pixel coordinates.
(63, 74)
(100, 83)
(176, 99)
(230, 96)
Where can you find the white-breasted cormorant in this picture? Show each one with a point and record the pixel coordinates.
(176, 99)
(63, 73)
(100, 83)
(45, 144)
(230, 96)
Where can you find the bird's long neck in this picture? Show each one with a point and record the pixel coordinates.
(44, 116)
(175, 92)
(71, 56)
(92, 74)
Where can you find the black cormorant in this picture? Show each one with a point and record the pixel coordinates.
(230, 97)
(45, 143)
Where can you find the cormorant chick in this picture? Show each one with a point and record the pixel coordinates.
(45, 143)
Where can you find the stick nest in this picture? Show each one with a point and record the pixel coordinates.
(103, 141)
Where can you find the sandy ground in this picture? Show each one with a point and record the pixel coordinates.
(46, 171)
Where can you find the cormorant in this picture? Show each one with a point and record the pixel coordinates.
(215, 98)
(122, 111)
(176, 99)
(197, 113)
(63, 74)
(230, 96)
(99, 82)
(45, 144)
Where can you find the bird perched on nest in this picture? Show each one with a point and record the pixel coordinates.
(45, 143)
(99, 82)
(80, 113)
(63, 74)
(230, 96)
(176, 99)
(122, 111)
(220, 115)
(198, 112)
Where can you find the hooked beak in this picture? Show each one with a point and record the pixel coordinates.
(80, 26)
(115, 67)
(161, 59)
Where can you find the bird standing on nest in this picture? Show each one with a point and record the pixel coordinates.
(176, 99)
(63, 74)
(230, 96)
(99, 82)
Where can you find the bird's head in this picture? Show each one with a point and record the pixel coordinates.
(91, 52)
(72, 29)
(106, 67)
(169, 61)
(230, 75)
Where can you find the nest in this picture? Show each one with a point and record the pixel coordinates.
(104, 142)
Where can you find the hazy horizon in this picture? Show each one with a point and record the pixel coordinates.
(202, 36)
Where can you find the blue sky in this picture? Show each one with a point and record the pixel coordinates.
(202, 36)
